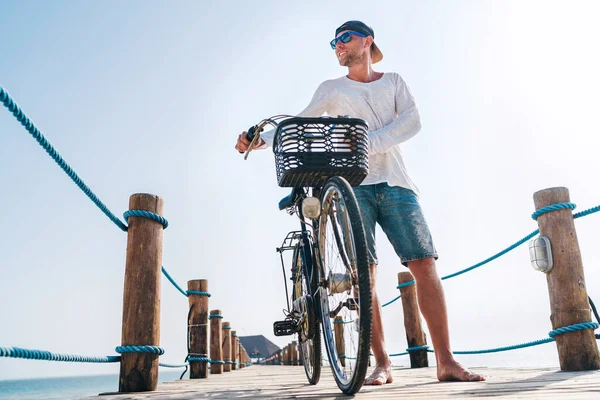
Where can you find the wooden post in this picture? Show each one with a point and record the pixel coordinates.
(577, 351)
(289, 356)
(280, 357)
(216, 351)
(340, 346)
(241, 357)
(198, 328)
(234, 350)
(300, 360)
(295, 358)
(247, 358)
(141, 295)
(227, 346)
(415, 335)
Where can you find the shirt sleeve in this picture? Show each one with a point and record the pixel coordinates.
(406, 125)
(316, 108)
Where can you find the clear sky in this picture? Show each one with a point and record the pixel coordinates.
(149, 96)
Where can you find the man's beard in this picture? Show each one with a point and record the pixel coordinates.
(352, 58)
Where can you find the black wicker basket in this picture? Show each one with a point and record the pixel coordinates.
(310, 150)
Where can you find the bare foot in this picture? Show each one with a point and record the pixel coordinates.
(453, 371)
(380, 376)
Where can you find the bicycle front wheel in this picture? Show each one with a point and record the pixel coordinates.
(309, 334)
(345, 287)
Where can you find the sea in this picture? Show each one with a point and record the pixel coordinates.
(75, 387)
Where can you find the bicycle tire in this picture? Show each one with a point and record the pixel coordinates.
(310, 349)
(345, 245)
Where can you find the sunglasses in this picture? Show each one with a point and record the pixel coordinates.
(344, 38)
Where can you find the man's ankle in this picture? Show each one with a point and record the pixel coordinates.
(387, 363)
(445, 359)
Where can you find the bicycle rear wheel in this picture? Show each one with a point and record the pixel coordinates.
(345, 292)
(309, 335)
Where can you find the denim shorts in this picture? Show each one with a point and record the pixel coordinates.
(397, 211)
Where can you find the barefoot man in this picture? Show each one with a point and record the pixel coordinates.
(387, 196)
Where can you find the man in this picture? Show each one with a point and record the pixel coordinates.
(387, 196)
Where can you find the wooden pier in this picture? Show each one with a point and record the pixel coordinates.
(289, 382)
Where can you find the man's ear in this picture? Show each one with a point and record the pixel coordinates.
(368, 41)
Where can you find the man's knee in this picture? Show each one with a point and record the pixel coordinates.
(372, 274)
(424, 268)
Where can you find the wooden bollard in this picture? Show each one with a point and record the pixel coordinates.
(284, 356)
(280, 357)
(226, 346)
(299, 358)
(141, 295)
(234, 351)
(340, 346)
(415, 335)
(289, 355)
(241, 356)
(577, 351)
(216, 351)
(198, 328)
(247, 358)
(295, 358)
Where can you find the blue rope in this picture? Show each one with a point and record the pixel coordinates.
(146, 214)
(208, 360)
(552, 334)
(536, 214)
(173, 365)
(164, 271)
(586, 212)
(198, 293)
(183, 292)
(199, 359)
(211, 316)
(494, 350)
(140, 349)
(390, 302)
(506, 348)
(17, 352)
(573, 328)
(552, 207)
(226, 327)
(417, 348)
(487, 260)
(10, 104)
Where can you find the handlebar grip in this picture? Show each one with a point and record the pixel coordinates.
(250, 135)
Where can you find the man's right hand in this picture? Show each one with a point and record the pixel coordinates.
(243, 143)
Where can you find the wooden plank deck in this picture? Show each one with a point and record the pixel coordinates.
(286, 382)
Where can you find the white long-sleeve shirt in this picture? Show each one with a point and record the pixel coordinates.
(388, 107)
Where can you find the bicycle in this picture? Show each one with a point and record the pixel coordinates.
(321, 159)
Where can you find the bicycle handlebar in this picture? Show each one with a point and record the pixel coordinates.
(253, 134)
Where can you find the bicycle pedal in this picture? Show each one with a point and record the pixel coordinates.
(285, 328)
